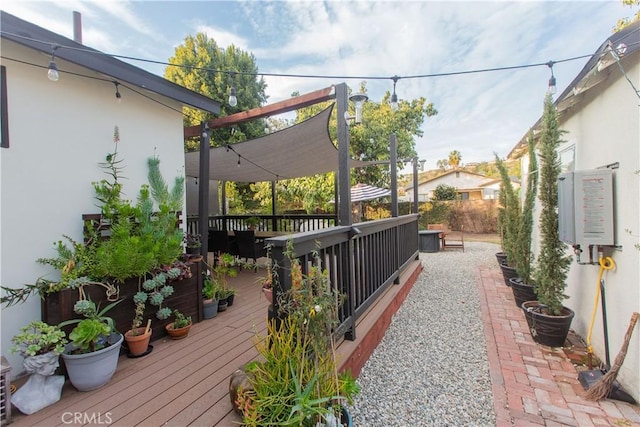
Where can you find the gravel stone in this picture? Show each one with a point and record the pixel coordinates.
(431, 368)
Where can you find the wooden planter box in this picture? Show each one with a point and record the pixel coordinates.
(58, 307)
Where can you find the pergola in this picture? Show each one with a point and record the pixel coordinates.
(301, 150)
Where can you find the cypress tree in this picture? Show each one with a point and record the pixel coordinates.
(553, 262)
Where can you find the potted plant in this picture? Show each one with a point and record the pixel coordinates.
(210, 290)
(267, 281)
(231, 295)
(179, 328)
(40, 344)
(192, 243)
(252, 222)
(91, 358)
(509, 216)
(522, 285)
(296, 381)
(549, 321)
(225, 267)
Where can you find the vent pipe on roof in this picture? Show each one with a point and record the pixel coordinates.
(77, 27)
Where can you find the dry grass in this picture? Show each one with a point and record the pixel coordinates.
(482, 237)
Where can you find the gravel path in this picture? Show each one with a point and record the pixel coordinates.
(431, 367)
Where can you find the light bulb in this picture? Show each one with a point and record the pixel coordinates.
(53, 74)
(552, 85)
(233, 101)
(394, 102)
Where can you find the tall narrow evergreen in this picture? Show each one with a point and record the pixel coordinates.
(510, 213)
(553, 262)
(524, 257)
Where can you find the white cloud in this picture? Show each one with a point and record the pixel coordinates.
(479, 113)
(222, 37)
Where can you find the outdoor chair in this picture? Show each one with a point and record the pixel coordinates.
(247, 247)
(218, 242)
(442, 235)
(454, 239)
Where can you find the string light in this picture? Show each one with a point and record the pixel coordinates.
(341, 77)
(552, 80)
(52, 72)
(394, 97)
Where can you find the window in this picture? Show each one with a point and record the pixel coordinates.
(567, 154)
(464, 195)
(4, 121)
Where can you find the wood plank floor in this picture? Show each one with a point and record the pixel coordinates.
(186, 382)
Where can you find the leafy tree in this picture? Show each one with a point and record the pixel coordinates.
(553, 263)
(454, 159)
(445, 192)
(625, 22)
(204, 67)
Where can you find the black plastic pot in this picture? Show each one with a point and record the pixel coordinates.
(547, 329)
(230, 299)
(501, 257)
(508, 273)
(522, 292)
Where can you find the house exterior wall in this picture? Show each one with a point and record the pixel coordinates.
(461, 182)
(59, 132)
(605, 128)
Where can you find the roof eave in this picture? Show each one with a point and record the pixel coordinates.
(40, 39)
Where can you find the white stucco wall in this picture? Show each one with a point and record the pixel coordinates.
(605, 127)
(59, 131)
(463, 181)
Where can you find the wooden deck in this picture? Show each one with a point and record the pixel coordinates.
(186, 382)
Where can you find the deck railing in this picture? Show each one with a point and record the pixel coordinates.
(293, 223)
(363, 260)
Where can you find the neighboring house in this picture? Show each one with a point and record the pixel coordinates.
(599, 112)
(54, 136)
(469, 186)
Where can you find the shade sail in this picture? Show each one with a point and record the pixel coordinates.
(304, 149)
(361, 192)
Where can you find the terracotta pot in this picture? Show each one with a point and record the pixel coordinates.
(139, 342)
(177, 334)
(268, 294)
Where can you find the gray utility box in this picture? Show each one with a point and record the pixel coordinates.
(585, 207)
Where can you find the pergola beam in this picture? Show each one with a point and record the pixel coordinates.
(284, 106)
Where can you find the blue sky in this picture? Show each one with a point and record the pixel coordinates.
(479, 114)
